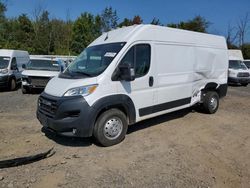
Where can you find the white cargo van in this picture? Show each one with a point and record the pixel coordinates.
(39, 71)
(11, 62)
(238, 72)
(132, 74)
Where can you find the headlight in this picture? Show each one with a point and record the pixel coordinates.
(84, 91)
(4, 71)
(232, 73)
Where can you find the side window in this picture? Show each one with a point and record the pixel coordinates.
(142, 60)
(129, 58)
(13, 63)
(138, 57)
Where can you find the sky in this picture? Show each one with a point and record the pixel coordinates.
(220, 13)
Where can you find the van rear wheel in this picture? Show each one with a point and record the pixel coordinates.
(111, 127)
(211, 102)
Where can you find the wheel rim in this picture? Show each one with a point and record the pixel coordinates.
(113, 128)
(213, 103)
(13, 84)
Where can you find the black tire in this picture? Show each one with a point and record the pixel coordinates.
(25, 90)
(211, 102)
(110, 117)
(12, 84)
(244, 84)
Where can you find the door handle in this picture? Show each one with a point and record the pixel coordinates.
(151, 81)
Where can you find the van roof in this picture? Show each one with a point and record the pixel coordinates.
(7, 52)
(235, 55)
(162, 34)
(44, 58)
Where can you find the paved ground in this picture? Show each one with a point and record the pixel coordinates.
(181, 149)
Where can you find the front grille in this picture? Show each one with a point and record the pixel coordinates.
(47, 106)
(39, 81)
(243, 74)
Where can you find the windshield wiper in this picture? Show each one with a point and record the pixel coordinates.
(83, 73)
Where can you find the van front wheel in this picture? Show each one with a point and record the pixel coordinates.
(111, 127)
(12, 84)
(211, 102)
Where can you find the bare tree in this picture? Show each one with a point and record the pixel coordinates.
(38, 9)
(243, 27)
(232, 35)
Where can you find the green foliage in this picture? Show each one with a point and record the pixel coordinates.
(2, 22)
(61, 34)
(43, 34)
(246, 50)
(198, 24)
(55, 36)
(125, 22)
(128, 22)
(85, 29)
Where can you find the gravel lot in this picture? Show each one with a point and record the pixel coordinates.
(181, 149)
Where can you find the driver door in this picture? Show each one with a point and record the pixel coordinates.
(142, 89)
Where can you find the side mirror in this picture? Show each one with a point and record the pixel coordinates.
(13, 67)
(124, 72)
(24, 66)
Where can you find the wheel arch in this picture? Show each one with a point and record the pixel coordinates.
(220, 89)
(121, 102)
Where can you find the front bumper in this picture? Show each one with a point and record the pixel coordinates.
(35, 81)
(68, 116)
(4, 80)
(240, 80)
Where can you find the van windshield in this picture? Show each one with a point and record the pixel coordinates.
(4, 62)
(94, 60)
(247, 63)
(42, 64)
(236, 64)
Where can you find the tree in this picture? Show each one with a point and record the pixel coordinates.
(25, 33)
(246, 50)
(2, 22)
(198, 23)
(126, 22)
(137, 20)
(43, 43)
(155, 21)
(2, 9)
(231, 37)
(85, 29)
(243, 27)
(109, 19)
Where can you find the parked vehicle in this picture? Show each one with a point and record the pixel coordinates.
(66, 59)
(132, 74)
(11, 66)
(247, 63)
(39, 71)
(238, 72)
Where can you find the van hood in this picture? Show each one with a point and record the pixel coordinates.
(58, 86)
(234, 72)
(40, 73)
(238, 70)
